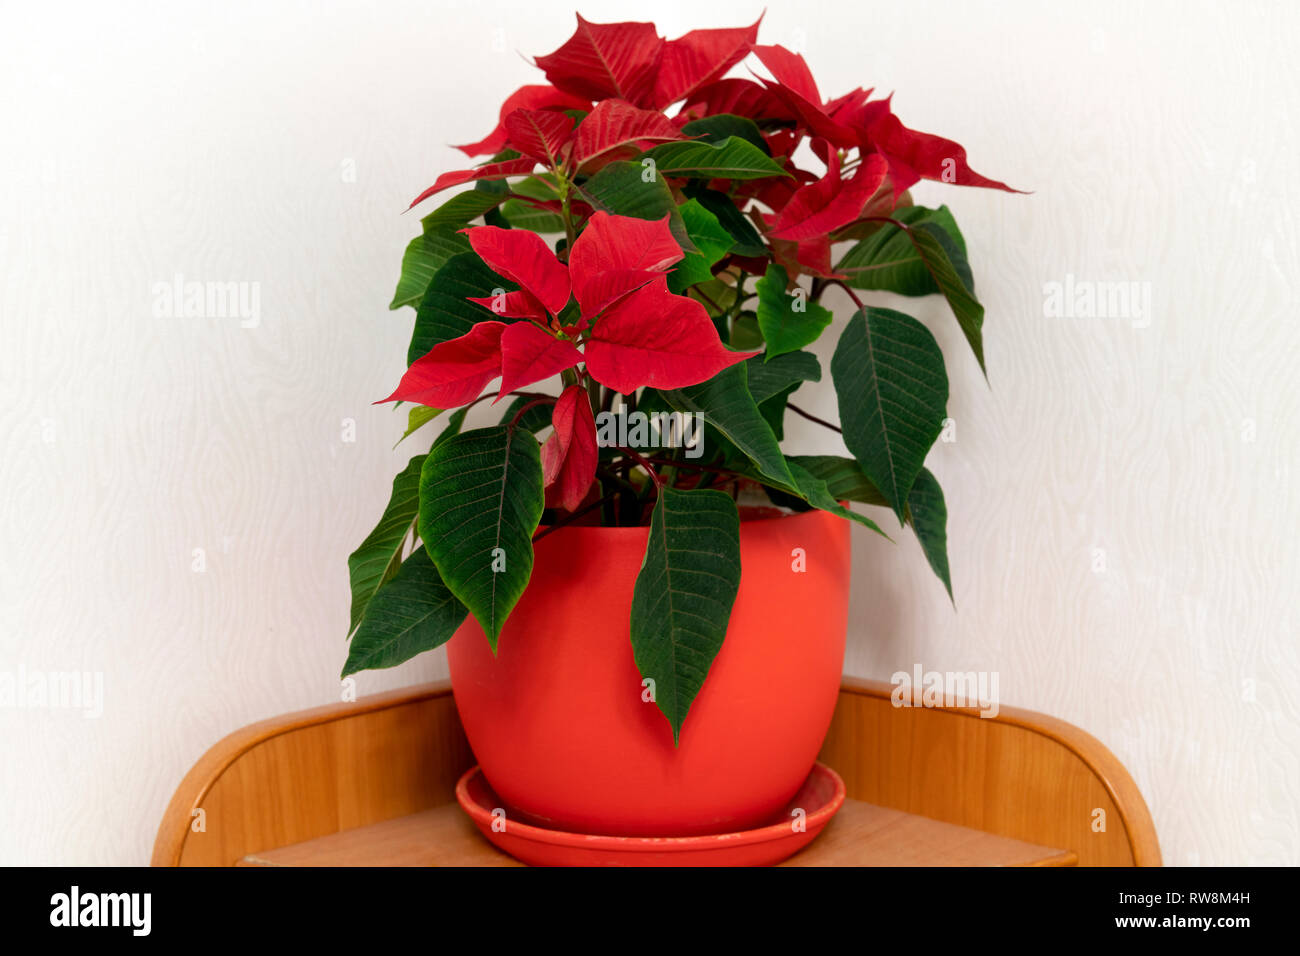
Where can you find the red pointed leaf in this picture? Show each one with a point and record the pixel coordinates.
(529, 354)
(830, 202)
(514, 305)
(741, 97)
(655, 338)
(540, 96)
(603, 60)
(795, 86)
(915, 155)
(616, 123)
(523, 257)
(698, 58)
(455, 372)
(569, 455)
(790, 70)
(613, 256)
(511, 167)
(539, 134)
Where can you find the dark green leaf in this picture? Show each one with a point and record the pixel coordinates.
(927, 257)
(788, 322)
(844, 477)
(627, 188)
(533, 420)
(424, 256)
(766, 379)
(814, 491)
(748, 241)
(733, 158)
(480, 502)
(444, 314)
(892, 389)
(684, 594)
(461, 208)
(716, 129)
(887, 260)
(412, 613)
(454, 422)
(934, 246)
(930, 522)
(376, 560)
(745, 334)
(727, 405)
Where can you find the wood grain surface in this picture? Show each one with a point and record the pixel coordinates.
(928, 786)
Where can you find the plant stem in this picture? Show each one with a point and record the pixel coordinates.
(813, 418)
(573, 516)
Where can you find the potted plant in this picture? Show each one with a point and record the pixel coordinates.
(635, 646)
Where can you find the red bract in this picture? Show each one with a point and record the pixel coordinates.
(603, 60)
(652, 337)
(914, 155)
(831, 202)
(642, 333)
(454, 372)
(699, 58)
(540, 134)
(569, 456)
(536, 97)
(616, 123)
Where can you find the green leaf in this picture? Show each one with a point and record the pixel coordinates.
(412, 613)
(377, 558)
(727, 405)
(627, 188)
(480, 502)
(424, 256)
(533, 420)
(788, 322)
(927, 257)
(444, 314)
(844, 477)
(716, 129)
(461, 208)
(932, 244)
(748, 241)
(684, 593)
(417, 418)
(814, 491)
(733, 158)
(887, 260)
(712, 241)
(930, 522)
(766, 379)
(745, 335)
(454, 422)
(892, 388)
(522, 215)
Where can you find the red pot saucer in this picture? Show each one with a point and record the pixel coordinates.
(821, 795)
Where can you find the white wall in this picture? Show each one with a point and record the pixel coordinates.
(213, 141)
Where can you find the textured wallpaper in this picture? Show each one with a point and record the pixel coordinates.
(181, 481)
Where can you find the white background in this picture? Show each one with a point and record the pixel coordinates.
(215, 141)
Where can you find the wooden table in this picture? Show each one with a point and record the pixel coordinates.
(371, 783)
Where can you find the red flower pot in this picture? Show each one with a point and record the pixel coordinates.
(557, 719)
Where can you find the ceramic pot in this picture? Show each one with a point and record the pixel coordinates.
(558, 720)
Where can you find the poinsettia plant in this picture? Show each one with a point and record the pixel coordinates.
(644, 237)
